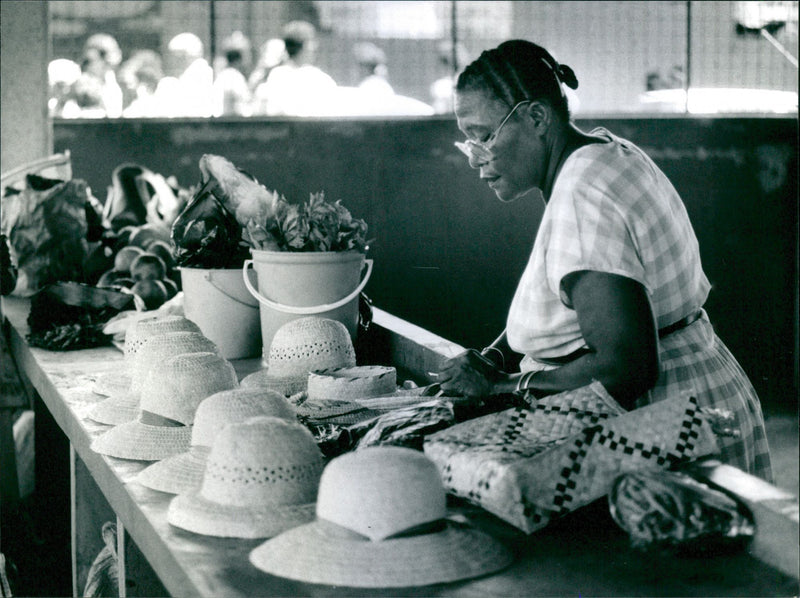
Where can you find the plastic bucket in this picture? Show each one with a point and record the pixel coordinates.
(220, 304)
(297, 284)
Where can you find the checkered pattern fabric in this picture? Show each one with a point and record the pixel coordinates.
(613, 210)
(517, 465)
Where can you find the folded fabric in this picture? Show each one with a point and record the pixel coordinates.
(528, 466)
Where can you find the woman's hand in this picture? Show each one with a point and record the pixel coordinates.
(469, 374)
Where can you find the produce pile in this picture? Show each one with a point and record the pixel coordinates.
(144, 264)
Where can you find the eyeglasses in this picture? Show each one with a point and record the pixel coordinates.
(482, 151)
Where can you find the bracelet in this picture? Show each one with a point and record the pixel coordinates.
(522, 383)
(502, 357)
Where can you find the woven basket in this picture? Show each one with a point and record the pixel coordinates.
(529, 466)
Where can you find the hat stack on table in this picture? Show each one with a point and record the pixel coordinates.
(169, 399)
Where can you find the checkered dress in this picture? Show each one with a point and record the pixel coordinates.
(613, 210)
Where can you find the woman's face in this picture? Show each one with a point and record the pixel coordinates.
(516, 163)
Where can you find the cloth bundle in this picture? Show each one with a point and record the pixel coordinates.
(528, 466)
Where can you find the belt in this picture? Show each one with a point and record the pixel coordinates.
(662, 332)
(682, 323)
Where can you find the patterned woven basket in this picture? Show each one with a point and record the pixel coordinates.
(529, 466)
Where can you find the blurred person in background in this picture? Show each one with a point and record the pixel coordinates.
(139, 77)
(87, 93)
(614, 287)
(186, 90)
(231, 91)
(373, 72)
(297, 87)
(442, 88)
(101, 57)
(273, 53)
(62, 74)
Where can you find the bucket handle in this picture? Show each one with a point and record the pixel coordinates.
(305, 310)
(209, 276)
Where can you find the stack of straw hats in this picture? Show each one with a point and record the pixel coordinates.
(184, 472)
(117, 382)
(299, 347)
(261, 478)
(169, 399)
(123, 407)
(381, 521)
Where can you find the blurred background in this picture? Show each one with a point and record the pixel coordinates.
(631, 57)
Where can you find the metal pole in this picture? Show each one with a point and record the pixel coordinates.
(688, 77)
(212, 31)
(454, 39)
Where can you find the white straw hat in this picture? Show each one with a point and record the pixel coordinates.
(118, 382)
(351, 383)
(381, 522)
(184, 472)
(261, 478)
(124, 407)
(169, 400)
(300, 347)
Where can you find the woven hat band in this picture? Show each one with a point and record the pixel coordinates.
(334, 530)
(380, 492)
(153, 419)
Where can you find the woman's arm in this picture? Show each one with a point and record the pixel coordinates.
(616, 321)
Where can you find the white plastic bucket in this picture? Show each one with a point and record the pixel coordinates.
(219, 303)
(296, 284)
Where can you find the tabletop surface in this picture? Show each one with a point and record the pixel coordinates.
(583, 553)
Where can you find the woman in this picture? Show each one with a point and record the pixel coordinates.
(613, 290)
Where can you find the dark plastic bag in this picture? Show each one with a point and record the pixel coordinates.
(47, 229)
(206, 234)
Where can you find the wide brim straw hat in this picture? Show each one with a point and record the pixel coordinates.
(177, 474)
(370, 503)
(116, 410)
(140, 441)
(302, 346)
(261, 478)
(137, 333)
(184, 472)
(322, 411)
(154, 350)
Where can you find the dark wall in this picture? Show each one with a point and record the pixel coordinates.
(448, 255)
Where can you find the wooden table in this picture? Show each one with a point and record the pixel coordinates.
(584, 553)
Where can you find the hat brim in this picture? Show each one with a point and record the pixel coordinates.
(312, 554)
(177, 474)
(116, 410)
(194, 512)
(143, 442)
(110, 384)
(286, 385)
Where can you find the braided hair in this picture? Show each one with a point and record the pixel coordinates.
(518, 70)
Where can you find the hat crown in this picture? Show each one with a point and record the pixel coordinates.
(234, 406)
(381, 491)
(307, 344)
(176, 386)
(160, 347)
(152, 326)
(264, 460)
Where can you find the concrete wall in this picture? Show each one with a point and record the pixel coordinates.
(25, 131)
(448, 255)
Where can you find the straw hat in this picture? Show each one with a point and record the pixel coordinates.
(124, 407)
(184, 472)
(351, 383)
(299, 347)
(169, 401)
(261, 478)
(118, 382)
(381, 522)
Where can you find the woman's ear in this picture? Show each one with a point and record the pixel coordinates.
(540, 114)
